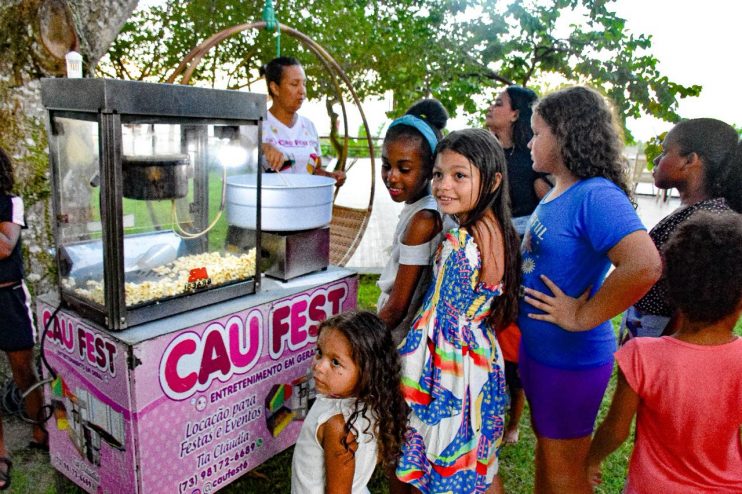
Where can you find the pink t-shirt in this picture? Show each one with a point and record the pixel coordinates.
(689, 416)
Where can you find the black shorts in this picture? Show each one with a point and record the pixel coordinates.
(512, 377)
(16, 331)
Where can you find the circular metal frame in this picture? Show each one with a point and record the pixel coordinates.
(188, 65)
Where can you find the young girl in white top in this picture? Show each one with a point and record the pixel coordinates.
(360, 417)
(406, 168)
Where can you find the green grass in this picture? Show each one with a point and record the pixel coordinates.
(368, 292)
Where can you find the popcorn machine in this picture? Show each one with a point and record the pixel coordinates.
(139, 175)
(170, 371)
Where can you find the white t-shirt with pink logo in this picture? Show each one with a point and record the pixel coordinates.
(299, 143)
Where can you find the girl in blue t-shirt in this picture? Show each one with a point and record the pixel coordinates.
(581, 227)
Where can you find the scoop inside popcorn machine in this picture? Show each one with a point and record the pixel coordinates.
(140, 175)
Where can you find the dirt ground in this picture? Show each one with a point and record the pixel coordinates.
(32, 472)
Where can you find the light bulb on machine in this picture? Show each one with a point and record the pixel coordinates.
(231, 155)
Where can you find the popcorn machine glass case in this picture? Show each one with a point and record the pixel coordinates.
(139, 176)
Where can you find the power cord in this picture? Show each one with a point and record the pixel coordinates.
(10, 398)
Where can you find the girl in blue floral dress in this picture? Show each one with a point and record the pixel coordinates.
(452, 370)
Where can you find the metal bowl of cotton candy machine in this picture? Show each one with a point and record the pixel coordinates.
(290, 202)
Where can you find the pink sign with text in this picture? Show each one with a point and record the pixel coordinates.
(191, 410)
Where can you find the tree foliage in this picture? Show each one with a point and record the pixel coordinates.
(451, 49)
(35, 35)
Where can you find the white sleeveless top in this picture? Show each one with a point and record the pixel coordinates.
(411, 255)
(308, 464)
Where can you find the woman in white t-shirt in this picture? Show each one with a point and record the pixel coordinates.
(290, 141)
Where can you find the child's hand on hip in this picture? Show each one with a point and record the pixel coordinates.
(559, 308)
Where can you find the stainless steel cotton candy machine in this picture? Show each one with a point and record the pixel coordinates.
(295, 210)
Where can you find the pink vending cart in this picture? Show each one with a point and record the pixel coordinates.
(188, 403)
(179, 364)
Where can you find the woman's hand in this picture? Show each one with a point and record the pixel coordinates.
(559, 308)
(339, 176)
(273, 157)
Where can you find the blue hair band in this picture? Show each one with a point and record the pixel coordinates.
(419, 124)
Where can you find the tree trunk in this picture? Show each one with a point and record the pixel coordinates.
(35, 35)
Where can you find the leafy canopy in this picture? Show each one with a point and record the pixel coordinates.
(454, 50)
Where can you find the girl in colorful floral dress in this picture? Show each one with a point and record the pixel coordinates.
(452, 369)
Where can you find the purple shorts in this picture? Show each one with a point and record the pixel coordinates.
(564, 402)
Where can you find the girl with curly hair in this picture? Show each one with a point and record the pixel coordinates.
(581, 227)
(359, 418)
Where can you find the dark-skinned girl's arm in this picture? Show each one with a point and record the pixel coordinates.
(615, 428)
(423, 227)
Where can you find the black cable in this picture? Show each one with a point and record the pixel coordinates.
(53, 317)
(10, 398)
